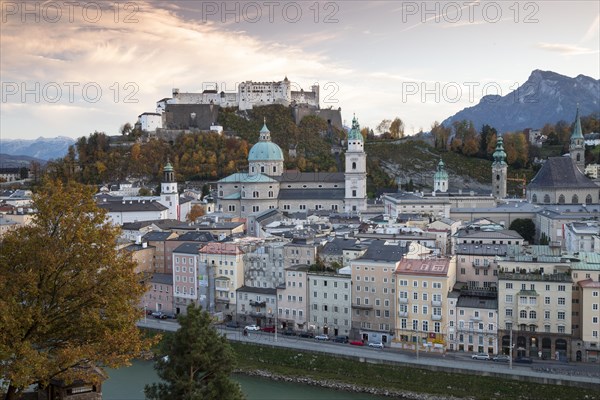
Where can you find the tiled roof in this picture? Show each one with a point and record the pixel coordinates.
(560, 172)
(434, 266)
(311, 194)
(188, 248)
(243, 177)
(132, 206)
(163, 279)
(293, 176)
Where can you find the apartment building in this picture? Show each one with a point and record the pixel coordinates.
(185, 276)
(373, 291)
(476, 265)
(423, 286)
(330, 303)
(589, 350)
(473, 320)
(256, 305)
(292, 307)
(227, 263)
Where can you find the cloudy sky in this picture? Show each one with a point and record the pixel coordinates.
(68, 70)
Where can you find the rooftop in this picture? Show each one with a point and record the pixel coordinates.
(432, 266)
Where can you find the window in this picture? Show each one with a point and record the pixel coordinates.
(522, 314)
(509, 285)
(561, 301)
(509, 298)
(561, 315)
(546, 314)
(532, 315)
(561, 288)
(415, 296)
(547, 300)
(509, 312)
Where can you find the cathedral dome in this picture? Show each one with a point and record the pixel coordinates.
(265, 150)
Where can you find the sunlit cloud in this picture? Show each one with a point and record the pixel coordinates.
(566, 49)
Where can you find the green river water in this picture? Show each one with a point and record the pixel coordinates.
(128, 384)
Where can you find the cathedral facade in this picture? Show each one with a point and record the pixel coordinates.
(267, 185)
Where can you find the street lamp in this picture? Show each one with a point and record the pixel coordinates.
(510, 348)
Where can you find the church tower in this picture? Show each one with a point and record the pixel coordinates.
(499, 170)
(356, 171)
(577, 146)
(440, 179)
(169, 196)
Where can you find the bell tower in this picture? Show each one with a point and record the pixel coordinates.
(577, 145)
(355, 198)
(499, 170)
(169, 195)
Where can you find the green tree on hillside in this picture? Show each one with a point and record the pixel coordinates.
(68, 295)
(196, 363)
(525, 227)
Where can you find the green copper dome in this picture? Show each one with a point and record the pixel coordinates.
(168, 167)
(441, 173)
(265, 150)
(354, 133)
(499, 155)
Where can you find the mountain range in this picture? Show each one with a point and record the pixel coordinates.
(40, 148)
(546, 97)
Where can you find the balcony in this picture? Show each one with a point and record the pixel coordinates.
(403, 314)
(222, 300)
(436, 317)
(258, 303)
(436, 303)
(402, 300)
(362, 306)
(256, 314)
(222, 289)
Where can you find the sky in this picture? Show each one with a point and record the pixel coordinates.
(72, 68)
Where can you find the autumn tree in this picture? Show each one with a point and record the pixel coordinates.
(68, 296)
(195, 212)
(196, 362)
(384, 126)
(397, 128)
(441, 134)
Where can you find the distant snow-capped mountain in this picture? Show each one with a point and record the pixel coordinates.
(546, 97)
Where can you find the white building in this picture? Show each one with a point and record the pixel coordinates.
(330, 308)
(579, 236)
(150, 122)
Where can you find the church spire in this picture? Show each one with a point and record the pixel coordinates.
(577, 134)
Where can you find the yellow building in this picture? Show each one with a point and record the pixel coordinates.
(422, 287)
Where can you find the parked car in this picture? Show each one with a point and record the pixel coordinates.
(501, 358)
(357, 343)
(480, 356)
(322, 337)
(524, 360)
(309, 335)
(377, 345)
(341, 339)
(252, 328)
(232, 324)
(289, 332)
(159, 315)
(270, 329)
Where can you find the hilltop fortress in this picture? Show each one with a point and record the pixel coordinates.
(199, 111)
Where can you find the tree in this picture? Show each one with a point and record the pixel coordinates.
(397, 128)
(384, 126)
(195, 212)
(525, 227)
(68, 296)
(196, 362)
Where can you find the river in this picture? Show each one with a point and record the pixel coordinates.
(128, 384)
